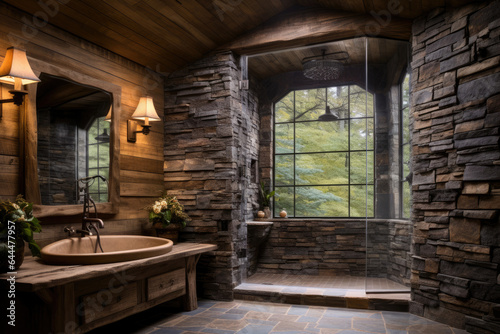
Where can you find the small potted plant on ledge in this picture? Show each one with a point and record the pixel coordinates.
(17, 225)
(168, 217)
(265, 199)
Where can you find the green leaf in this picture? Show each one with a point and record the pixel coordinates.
(167, 216)
(34, 248)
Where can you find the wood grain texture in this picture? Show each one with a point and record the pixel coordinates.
(167, 35)
(35, 275)
(55, 51)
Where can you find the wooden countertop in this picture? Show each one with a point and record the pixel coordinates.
(34, 274)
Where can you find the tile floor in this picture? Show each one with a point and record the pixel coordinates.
(245, 317)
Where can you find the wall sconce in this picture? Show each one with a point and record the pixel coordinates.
(16, 70)
(145, 111)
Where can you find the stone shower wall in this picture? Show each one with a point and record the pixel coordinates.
(337, 248)
(456, 165)
(211, 149)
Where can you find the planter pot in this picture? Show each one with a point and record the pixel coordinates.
(168, 232)
(5, 266)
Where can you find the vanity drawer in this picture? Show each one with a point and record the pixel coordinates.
(164, 284)
(107, 301)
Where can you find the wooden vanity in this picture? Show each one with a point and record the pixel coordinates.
(75, 299)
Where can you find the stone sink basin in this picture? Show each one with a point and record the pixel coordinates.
(117, 248)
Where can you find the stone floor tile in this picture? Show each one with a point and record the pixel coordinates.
(283, 317)
(237, 311)
(211, 314)
(329, 331)
(298, 310)
(217, 331)
(306, 318)
(256, 329)
(226, 305)
(335, 323)
(316, 311)
(347, 313)
(231, 316)
(257, 315)
(235, 325)
(262, 322)
(194, 321)
(285, 326)
(369, 325)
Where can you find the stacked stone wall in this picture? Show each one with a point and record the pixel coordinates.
(211, 149)
(456, 163)
(337, 248)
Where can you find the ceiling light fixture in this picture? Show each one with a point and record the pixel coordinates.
(328, 116)
(328, 66)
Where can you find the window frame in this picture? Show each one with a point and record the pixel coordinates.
(292, 211)
(96, 195)
(402, 145)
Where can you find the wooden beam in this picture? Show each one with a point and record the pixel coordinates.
(308, 26)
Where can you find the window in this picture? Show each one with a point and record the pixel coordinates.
(98, 158)
(405, 149)
(324, 168)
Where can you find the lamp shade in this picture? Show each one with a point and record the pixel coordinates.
(146, 110)
(16, 66)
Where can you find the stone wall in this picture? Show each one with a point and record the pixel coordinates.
(57, 160)
(337, 248)
(456, 165)
(211, 153)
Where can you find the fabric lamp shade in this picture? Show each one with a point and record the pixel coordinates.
(16, 69)
(146, 111)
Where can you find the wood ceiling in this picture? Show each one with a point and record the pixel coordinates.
(166, 34)
(380, 52)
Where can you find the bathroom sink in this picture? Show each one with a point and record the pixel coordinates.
(117, 248)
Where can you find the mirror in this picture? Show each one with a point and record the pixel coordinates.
(73, 140)
(71, 127)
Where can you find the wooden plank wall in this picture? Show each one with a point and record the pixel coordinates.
(141, 163)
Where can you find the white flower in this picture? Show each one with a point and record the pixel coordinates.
(15, 206)
(164, 204)
(157, 208)
(21, 219)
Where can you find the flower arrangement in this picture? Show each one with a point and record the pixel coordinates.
(17, 220)
(167, 210)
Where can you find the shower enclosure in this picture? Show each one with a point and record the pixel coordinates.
(340, 164)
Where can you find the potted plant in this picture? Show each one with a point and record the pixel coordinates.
(168, 217)
(265, 199)
(17, 225)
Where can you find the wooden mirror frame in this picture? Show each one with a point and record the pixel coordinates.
(30, 143)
